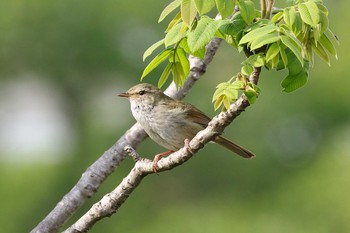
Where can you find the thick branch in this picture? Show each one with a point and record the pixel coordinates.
(111, 202)
(93, 177)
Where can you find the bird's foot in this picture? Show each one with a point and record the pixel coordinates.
(157, 158)
(187, 146)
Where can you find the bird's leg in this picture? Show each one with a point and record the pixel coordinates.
(187, 145)
(158, 157)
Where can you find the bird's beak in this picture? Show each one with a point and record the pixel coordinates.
(125, 94)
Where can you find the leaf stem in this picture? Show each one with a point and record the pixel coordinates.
(263, 8)
(269, 8)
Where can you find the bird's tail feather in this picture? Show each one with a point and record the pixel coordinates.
(234, 147)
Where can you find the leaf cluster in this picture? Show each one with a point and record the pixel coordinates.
(227, 92)
(273, 38)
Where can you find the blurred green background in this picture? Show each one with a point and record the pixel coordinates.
(61, 65)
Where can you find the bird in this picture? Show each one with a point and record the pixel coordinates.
(171, 123)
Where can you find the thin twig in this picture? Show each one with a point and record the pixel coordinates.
(133, 154)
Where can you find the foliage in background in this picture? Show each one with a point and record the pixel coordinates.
(275, 38)
(77, 39)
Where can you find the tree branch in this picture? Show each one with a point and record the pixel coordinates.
(111, 202)
(94, 176)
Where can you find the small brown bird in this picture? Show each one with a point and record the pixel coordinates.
(171, 122)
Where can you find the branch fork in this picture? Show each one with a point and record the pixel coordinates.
(111, 159)
(111, 202)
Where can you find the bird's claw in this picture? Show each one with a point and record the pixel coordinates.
(187, 146)
(155, 166)
(157, 158)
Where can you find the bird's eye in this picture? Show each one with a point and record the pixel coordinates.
(142, 92)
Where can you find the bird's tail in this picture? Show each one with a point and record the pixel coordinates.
(234, 147)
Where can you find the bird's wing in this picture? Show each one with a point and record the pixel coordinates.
(198, 116)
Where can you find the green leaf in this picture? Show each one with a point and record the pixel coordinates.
(174, 22)
(204, 32)
(220, 89)
(315, 34)
(328, 45)
(180, 67)
(168, 9)
(283, 56)
(324, 22)
(264, 40)
(227, 28)
(204, 6)
(182, 58)
(236, 39)
(230, 40)
(225, 7)
(275, 61)
(226, 103)
(256, 60)
(174, 35)
(309, 54)
(218, 102)
(287, 41)
(321, 52)
(165, 75)
(292, 36)
(292, 83)
(156, 61)
(297, 74)
(252, 91)
(272, 51)
(298, 25)
(237, 84)
(331, 36)
(233, 27)
(247, 70)
(199, 53)
(226, 89)
(153, 47)
(251, 96)
(194, 24)
(309, 13)
(247, 9)
(256, 33)
(294, 67)
(188, 12)
(289, 16)
(323, 8)
(277, 17)
(258, 24)
(178, 74)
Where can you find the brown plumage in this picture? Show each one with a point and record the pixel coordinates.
(170, 122)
